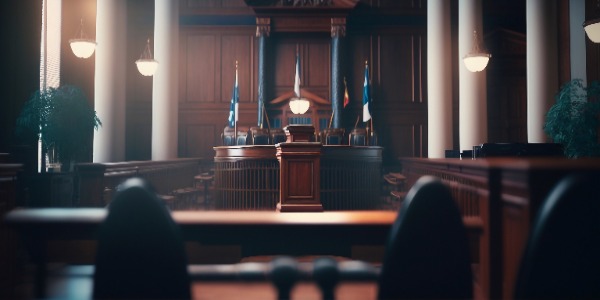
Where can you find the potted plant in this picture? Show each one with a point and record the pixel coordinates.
(64, 121)
(573, 119)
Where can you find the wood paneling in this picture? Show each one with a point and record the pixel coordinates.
(400, 64)
(507, 88)
(237, 47)
(201, 59)
(198, 138)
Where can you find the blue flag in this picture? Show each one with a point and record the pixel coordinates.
(297, 77)
(366, 112)
(235, 98)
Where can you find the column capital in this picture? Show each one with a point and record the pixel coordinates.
(263, 27)
(338, 27)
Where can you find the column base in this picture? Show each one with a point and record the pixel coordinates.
(312, 207)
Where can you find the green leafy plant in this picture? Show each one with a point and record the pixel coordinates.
(573, 119)
(63, 119)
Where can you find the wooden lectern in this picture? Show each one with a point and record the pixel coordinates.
(299, 165)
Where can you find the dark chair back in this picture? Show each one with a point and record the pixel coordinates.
(228, 136)
(140, 252)
(427, 253)
(358, 137)
(562, 256)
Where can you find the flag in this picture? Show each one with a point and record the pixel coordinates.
(346, 97)
(366, 112)
(297, 77)
(235, 98)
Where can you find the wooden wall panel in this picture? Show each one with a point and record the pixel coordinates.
(138, 133)
(404, 140)
(237, 47)
(318, 74)
(400, 64)
(314, 52)
(198, 138)
(199, 63)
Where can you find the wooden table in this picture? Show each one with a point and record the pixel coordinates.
(258, 233)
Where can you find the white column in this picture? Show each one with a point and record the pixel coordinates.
(472, 85)
(439, 79)
(109, 80)
(542, 70)
(165, 98)
(577, 35)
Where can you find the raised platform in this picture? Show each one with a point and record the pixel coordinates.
(247, 177)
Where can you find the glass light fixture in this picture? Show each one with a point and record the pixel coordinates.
(81, 45)
(478, 58)
(592, 27)
(299, 105)
(147, 65)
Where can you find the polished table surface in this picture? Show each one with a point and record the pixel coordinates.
(217, 227)
(257, 233)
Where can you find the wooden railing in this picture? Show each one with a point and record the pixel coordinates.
(500, 197)
(96, 182)
(257, 233)
(8, 237)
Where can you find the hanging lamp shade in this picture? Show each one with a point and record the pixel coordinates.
(147, 65)
(592, 26)
(592, 29)
(478, 58)
(299, 105)
(81, 45)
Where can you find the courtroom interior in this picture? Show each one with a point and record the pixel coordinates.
(299, 149)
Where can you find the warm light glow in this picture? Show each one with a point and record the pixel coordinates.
(478, 58)
(82, 48)
(147, 67)
(299, 105)
(476, 62)
(592, 29)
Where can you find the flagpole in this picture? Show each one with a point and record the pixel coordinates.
(235, 117)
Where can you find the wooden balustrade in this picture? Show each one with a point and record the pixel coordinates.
(9, 273)
(247, 177)
(96, 182)
(499, 198)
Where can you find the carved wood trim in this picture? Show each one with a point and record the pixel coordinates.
(338, 27)
(263, 27)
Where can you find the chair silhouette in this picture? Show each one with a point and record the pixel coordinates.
(140, 253)
(427, 253)
(562, 256)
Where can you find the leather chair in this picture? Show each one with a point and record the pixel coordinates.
(242, 136)
(357, 137)
(427, 253)
(228, 136)
(332, 136)
(562, 256)
(259, 136)
(140, 253)
(277, 136)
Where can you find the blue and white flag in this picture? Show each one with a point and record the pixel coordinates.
(366, 112)
(297, 77)
(235, 98)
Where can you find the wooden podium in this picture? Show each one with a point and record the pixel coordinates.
(299, 163)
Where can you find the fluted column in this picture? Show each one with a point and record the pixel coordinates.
(109, 80)
(439, 79)
(472, 86)
(542, 70)
(578, 39)
(338, 32)
(263, 29)
(165, 98)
